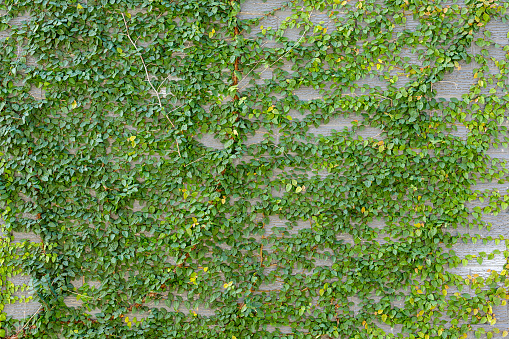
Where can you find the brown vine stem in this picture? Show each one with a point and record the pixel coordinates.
(236, 66)
(148, 77)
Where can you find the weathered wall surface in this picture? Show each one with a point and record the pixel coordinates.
(453, 86)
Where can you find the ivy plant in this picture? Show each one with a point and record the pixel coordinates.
(183, 187)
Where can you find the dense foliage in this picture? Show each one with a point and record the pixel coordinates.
(103, 106)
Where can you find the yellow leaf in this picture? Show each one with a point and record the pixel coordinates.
(234, 337)
(79, 6)
(504, 334)
(380, 311)
(126, 319)
(205, 269)
(476, 311)
(74, 104)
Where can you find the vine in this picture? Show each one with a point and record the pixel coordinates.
(280, 230)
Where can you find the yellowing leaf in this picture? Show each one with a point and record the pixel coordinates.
(79, 6)
(363, 210)
(504, 334)
(205, 269)
(74, 104)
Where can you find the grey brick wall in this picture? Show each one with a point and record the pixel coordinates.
(453, 86)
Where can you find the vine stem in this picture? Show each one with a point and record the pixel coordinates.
(33, 315)
(148, 78)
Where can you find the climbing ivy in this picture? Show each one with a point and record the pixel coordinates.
(272, 233)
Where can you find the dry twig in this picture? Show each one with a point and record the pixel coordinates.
(148, 78)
